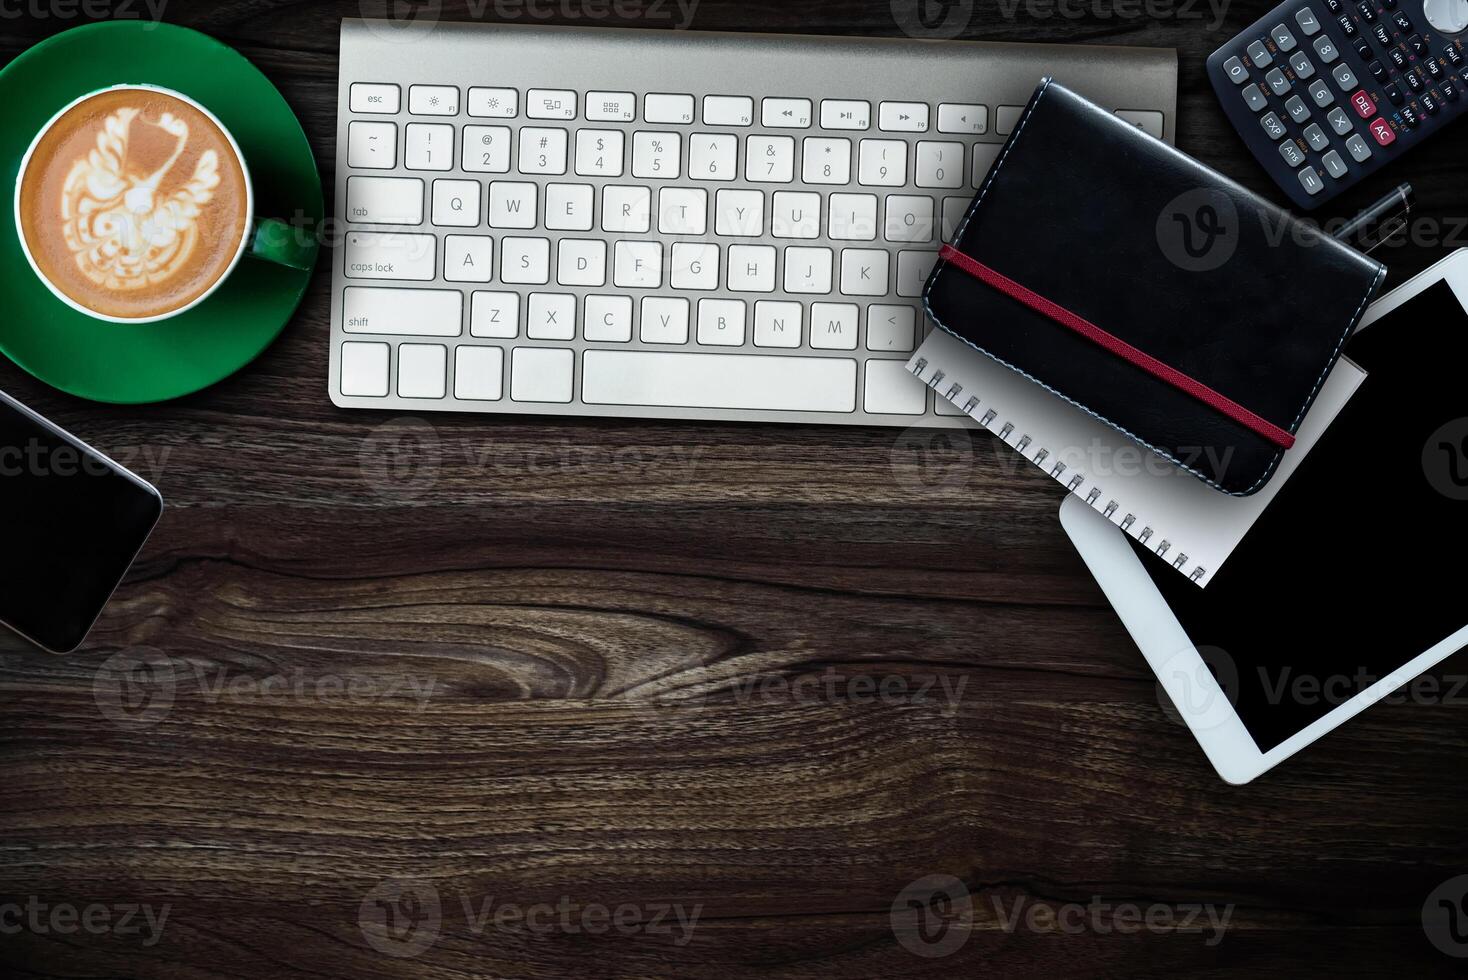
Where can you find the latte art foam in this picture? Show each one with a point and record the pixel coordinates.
(133, 204)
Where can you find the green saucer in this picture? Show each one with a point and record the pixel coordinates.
(152, 362)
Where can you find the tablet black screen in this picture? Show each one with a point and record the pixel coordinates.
(1358, 565)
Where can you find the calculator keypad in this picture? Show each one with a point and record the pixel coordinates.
(1338, 87)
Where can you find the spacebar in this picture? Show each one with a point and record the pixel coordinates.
(754, 381)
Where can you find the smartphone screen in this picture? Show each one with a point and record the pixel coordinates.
(73, 519)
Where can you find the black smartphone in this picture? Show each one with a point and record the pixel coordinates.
(74, 521)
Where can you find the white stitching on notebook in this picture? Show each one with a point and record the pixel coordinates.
(1304, 407)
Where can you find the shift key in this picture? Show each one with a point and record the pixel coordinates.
(411, 312)
(389, 255)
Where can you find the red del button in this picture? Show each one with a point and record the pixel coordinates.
(1382, 132)
(1365, 108)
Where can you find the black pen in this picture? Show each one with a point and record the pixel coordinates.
(1379, 222)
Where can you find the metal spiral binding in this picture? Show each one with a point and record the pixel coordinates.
(1094, 497)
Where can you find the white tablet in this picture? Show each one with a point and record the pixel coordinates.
(1352, 582)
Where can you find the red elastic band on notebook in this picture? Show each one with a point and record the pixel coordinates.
(1213, 399)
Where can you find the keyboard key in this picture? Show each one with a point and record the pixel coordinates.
(1339, 121)
(940, 165)
(551, 316)
(1321, 93)
(964, 119)
(1316, 137)
(891, 389)
(1007, 115)
(795, 214)
(494, 315)
(524, 261)
(808, 270)
(1293, 155)
(1343, 77)
(882, 163)
(1272, 125)
(1302, 65)
(599, 152)
(1305, 17)
(786, 113)
(1358, 149)
(1276, 81)
(909, 219)
(542, 151)
(903, 117)
(547, 103)
(728, 110)
(1297, 108)
(665, 108)
(422, 369)
(486, 149)
(825, 160)
(657, 155)
(864, 271)
(695, 266)
(1361, 102)
(456, 203)
(568, 207)
(751, 269)
(626, 209)
(833, 326)
(1283, 39)
(407, 312)
(468, 258)
(638, 265)
(608, 319)
(769, 159)
(853, 217)
(364, 370)
(739, 214)
(664, 320)
(984, 156)
(539, 374)
(611, 106)
(429, 146)
(1310, 180)
(682, 211)
(913, 269)
(433, 100)
(1382, 132)
(1325, 49)
(479, 373)
(494, 103)
(372, 145)
(370, 255)
(777, 324)
(378, 98)
(845, 114)
(721, 322)
(1334, 165)
(1233, 68)
(731, 381)
(385, 200)
(891, 328)
(512, 204)
(581, 262)
(713, 156)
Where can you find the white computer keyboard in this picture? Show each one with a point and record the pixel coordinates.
(667, 224)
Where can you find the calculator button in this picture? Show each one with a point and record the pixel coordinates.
(1416, 45)
(1316, 137)
(1398, 59)
(1310, 180)
(1260, 55)
(1302, 66)
(1254, 96)
(1433, 69)
(1430, 103)
(1413, 80)
(1450, 90)
(1382, 35)
(1403, 22)
(1347, 25)
(1325, 49)
(1339, 121)
(1394, 94)
(1282, 37)
(1334, 165)
(1363, 105)
(1410, 118)
(1454, 56)
(1235, 70)
(1358, 149)
(1367, 10)
(1363, 50)
(1343, 77)
(1378, 71)
(1334, 6)
(1291, 153)
(1321, 93)
(1305, 17)
(1272, 125)
(1297, 108)
(1278, 84)
(1381, 131)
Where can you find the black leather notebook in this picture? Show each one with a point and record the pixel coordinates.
(1173, 304)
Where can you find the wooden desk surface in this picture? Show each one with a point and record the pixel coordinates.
(607, 677)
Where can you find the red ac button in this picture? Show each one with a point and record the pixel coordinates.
(1382, 132)
(1365, 108)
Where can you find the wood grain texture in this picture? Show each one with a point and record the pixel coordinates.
(773, 675)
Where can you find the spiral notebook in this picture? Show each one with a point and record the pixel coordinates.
(1190, 526)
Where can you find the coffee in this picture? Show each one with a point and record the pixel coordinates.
(133, 203)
